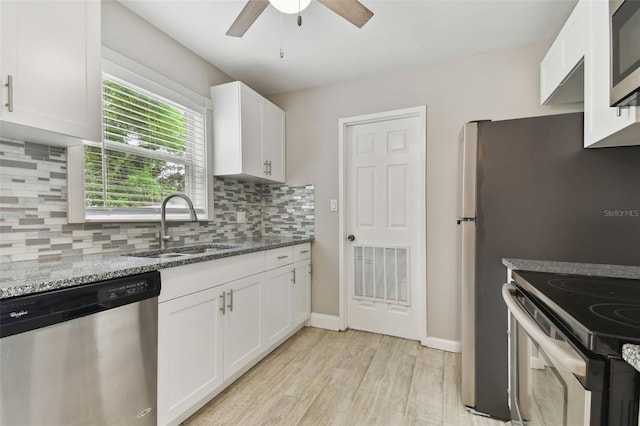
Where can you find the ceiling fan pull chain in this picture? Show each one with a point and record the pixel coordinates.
(281, 35)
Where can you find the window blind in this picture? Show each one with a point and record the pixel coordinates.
(151, 147)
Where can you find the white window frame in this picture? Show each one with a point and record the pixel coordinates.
(125, 69)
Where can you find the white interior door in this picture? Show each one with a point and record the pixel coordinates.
(384, 224)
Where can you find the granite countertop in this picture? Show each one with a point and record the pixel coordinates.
(594, 269)
(631, 354)
(22, 278)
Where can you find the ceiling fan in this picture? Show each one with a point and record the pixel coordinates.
(351, 10)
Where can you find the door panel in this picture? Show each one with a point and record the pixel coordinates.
(301, 299)
(276, 322)
(397, 195)
(385, 211)
(242, 332)
(185, 376)
(251, 128)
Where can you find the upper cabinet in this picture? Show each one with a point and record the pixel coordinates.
(603, 125)
(248, 134)
(576, 68)
(50, 69)
(561, 75)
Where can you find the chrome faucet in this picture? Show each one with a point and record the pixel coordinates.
(165, 237)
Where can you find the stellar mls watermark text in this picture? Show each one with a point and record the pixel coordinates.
(622, 213)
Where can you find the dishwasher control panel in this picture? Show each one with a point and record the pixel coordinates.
(124, 290)
(32, 311)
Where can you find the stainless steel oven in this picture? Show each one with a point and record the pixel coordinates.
(625, 52)
(566, 334)
(547, 374)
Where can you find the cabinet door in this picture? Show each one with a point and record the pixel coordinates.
(242, 338)
(251, 105)
(51, 50)
(273, 145)
(561, 77)
(301, 292)
(276, 314)
(603, 125)
(189, 352)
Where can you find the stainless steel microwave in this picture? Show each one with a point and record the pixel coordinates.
(625, 52)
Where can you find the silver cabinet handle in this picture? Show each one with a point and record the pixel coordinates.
(293, 276)
(282, 257)
(223, 305)
(304, 251)
(265, 167)
(230, 305)
(9, 87)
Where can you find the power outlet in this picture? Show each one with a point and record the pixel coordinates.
(240, 217)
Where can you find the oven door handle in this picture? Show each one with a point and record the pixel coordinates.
(560, 351)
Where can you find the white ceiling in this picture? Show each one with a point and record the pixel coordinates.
(327, 49)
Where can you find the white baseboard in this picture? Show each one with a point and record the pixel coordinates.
(328, 322)
(443, 344)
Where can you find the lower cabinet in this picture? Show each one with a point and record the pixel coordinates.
(242, 322)
(208, 337)
(276, 318)
(189, 352)
(301, 292)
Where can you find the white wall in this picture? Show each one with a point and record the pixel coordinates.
(128, 34)
(498, 85)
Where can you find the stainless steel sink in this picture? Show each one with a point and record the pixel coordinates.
(213, 248)
(160, 255)
(186, 252)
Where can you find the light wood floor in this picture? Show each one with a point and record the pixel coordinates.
(321, 377)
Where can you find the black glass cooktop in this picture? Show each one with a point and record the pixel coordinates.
(602, 313)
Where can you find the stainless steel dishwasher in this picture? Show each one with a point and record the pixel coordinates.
(83, 355)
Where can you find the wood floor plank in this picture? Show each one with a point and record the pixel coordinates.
(320, 377)
(426, 398)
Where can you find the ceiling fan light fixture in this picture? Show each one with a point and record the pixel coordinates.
(290, 6)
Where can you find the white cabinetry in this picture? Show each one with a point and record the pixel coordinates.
(561, 76)
(276, 320)
(189, 352)
(217, 319)
(50, 68)
(603, 125)
(301, 284)
(248, 134)
(242, 323)
(576, 68)
(277, 304)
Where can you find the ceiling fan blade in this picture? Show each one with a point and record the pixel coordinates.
(351, 10)
(247, 17)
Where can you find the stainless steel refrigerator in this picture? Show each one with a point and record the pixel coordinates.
(528, 189)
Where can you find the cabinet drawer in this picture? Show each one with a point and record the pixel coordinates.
(278, 257)
(187, 279)
(301, 252)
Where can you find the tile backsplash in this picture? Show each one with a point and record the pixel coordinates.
(33, 211)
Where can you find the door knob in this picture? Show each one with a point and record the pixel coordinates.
(351, 237)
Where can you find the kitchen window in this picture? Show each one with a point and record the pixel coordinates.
(154, 143)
